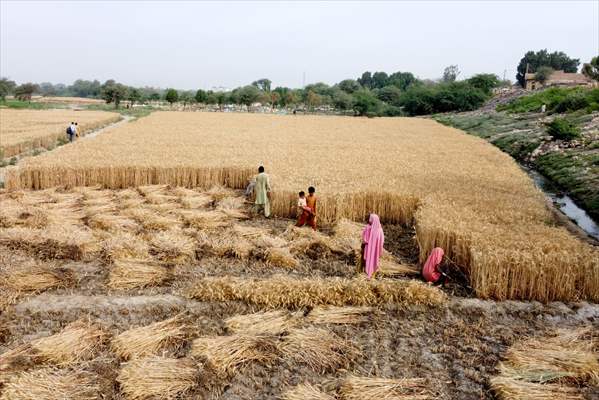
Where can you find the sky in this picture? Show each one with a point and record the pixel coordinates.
(193, 44)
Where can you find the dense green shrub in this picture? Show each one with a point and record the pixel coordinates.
(561, 128)
(557, 100)
(454, 96)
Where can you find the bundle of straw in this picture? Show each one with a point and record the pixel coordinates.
(38, 278)
(157, 378)
(34, 217)
(367, 388)
(123, 245)
(389, 267)
(287, 292)
(172, 246)
(306, 391)
(509, 389)
(227, 245)
(150, 220)
(152, 339)
(340, 315)
(52, 384)
(78, 341)
(132, 273)
(218, 193)
(227, 353)
(113, 223)
(280, 257)
(271, 322)
(320, 349)
(194, 200)
(201, 219)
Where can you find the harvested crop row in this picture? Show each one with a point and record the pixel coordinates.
(24, 130)
(281, 291)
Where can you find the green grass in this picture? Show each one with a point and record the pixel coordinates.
(557, 100)
(137, 112)
(18, 104)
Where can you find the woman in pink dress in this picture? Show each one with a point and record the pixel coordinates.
(373, 240)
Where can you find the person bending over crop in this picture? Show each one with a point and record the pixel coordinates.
(262, 190)
(373, 240)
(308, 215)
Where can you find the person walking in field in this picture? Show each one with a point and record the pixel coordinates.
(262, 190)
(308, 215)
(373, 240)
(71, 131)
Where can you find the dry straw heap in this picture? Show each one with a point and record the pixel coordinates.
(462, 194)
(24, 130)
(551, 367)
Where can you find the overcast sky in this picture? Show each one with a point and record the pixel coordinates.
(190, 45)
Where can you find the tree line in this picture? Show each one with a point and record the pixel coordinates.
(372, 94)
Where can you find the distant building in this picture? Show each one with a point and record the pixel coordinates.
(558, 78)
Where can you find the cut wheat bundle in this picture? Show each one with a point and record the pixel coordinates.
(51, 384)
(567, 355)
(218, 193)
(53, 242)
(114, 223)
(388, 267)
(340, 315)
(228, 353)
(136, 273)
(320, 349)
(157, 378)
(195, 201)
(306, 391)
(286, 292)
(233, 207)
(372, 388)
(173, 247)
(270, 322)
(225, 244)
(150, 220)
(201, 219)
(511, 389)
(154, 339)
(307, 242)
(124, 245)
(78, 341)
(280, 257)
(38, 278)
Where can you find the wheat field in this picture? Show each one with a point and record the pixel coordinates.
(24, 130)
(461, 193)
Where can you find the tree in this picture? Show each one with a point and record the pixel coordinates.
(379, 80)
(342, 100)
(186, 97)
(262, 84)
(47, 89)
(6, 87)
(154, 96)
(275, 97)
(389, 94)
(211, 97)
(591, 69)
(201, 96)
(543, 73)
(349, 86)
(134, 95)
(313, 99)
(450, 74)
(113, 92)
(403, 80)
(171, 96)
(484, 82)
(557, 60)
(83, 88)
(366, 80)
(248, 95)
(221, 99)
(25, 91)
(365, 103)
(563, 129)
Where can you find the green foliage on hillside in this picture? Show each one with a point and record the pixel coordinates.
(557, 100)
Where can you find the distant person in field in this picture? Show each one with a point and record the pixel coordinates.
(373, 240)
(76, 129)
(308, 215)
(262, 190)
(71, 132)
(249, 190)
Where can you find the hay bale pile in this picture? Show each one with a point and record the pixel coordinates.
(51, 384)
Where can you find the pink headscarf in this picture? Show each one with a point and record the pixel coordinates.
(430, 271)
(374, 238)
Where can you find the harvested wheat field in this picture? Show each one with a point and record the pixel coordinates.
(25, 130)
(461, 193)
(164, 292)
